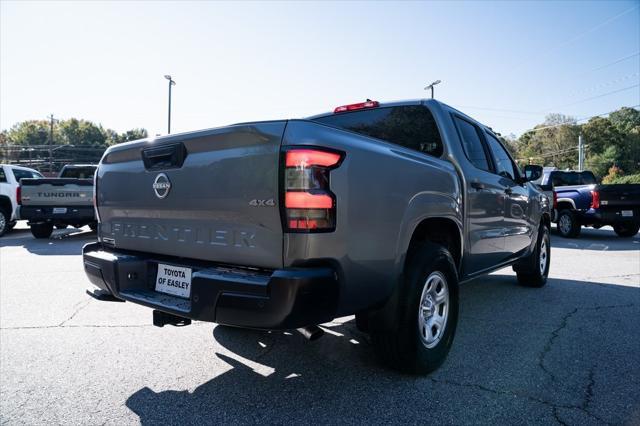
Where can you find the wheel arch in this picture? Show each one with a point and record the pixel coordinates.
(6, 205)
(440, 230)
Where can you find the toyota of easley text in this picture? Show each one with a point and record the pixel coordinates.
(377, 210)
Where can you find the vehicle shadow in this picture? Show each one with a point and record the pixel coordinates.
(62, 242)
(519, 353)
(603, 239)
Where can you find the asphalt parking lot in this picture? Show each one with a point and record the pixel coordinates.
(568, 353)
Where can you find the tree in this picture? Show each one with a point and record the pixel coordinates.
(600, 164)
(31, 132)
(625, 119)
(600, 133)
(81, 132)
(553, 142)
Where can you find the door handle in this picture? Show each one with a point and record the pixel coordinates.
(508, 191)
(477, 185)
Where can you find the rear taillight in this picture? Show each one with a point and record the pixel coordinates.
(95, 195)
(595, 200)
(555, 200)
(309, 204)
(19, 195)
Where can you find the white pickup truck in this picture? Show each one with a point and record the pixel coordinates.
(60, 202)
(9, 186)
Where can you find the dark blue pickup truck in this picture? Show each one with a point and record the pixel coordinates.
(579, 201)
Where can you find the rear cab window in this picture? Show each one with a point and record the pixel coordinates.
(78, 172)
(573, 178)
(472, 143)
(410, 126)
(25, 174)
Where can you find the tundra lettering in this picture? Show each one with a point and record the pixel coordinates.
(380, 211)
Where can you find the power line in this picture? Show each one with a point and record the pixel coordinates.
(608, 83)
(617, 61)
(572, 122)
(591, 98)
(577, 37)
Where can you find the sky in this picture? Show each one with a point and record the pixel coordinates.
(507, 64)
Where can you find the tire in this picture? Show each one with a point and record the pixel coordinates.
(62, 226)
(11, 225)
(626, 230)
(42, 230)
(5, 220)
(568, 225)
(533, 270)
(412, 342)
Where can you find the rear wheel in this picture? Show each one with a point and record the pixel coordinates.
(626, 230)
(533, 270)
(568, 225)
(420, 331)
(4, 222)
(42, 230)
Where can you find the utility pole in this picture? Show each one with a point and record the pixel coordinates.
(51, 144)
(580, 153)
(171, 83)
(431, 86)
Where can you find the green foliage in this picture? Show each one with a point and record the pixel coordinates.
(81, 132)
(635, 178)
(609, 141)
(615, 172)
(600, 133)
(600, 164)
(551, 146)
(67, 132)
(625, 119)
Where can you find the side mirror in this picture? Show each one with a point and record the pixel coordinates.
(532, 172)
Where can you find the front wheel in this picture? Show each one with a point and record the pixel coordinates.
(42, 230)
(419, 331)
(626, 230)
(533, 270)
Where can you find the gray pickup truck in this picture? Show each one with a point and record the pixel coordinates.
(377, 210)
(60, 202)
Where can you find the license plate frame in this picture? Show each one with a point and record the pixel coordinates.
(626, 213)
(174, 280)
(59, 210)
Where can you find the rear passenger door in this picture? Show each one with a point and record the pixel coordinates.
(484, 204)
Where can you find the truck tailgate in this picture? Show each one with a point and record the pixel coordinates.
(619, 195)
(209, 195)
(56, 192)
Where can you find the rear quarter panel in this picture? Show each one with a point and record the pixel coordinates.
(383, 191)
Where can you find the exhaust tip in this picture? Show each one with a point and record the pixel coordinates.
(311, 332)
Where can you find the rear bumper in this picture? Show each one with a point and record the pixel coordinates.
(280, 299)
(608, 217)
(77, 214)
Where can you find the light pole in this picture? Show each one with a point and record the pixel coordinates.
(171, 83)
(431, 86)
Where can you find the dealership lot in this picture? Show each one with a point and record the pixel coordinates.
(567, 353)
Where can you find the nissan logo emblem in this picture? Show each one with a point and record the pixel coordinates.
(161, 185)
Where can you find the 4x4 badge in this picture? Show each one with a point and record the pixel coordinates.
(161, 185)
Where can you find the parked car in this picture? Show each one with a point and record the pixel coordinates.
(377, 210)
(580, 201)
(63, 201)
(9, 183)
